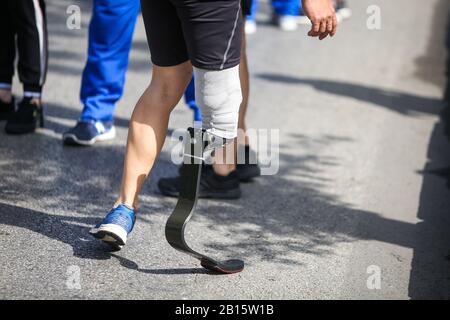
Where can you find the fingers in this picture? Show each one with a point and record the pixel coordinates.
(323, 36)
(315, 29)
(324, 26)
(335, 25)
(329, 25)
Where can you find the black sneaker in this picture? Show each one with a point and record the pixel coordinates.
(26, 118)
(247, 171)
(6, 109)
(212, 185)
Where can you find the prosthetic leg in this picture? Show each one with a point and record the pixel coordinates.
(197, 143)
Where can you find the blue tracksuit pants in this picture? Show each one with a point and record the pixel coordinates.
(286, 7)
(110, 37)
(281, 7)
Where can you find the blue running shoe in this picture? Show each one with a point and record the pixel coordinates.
(116, 226)
(87, 133)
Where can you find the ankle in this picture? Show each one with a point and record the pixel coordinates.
(223, 169)
(126, 202)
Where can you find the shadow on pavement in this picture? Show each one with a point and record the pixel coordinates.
(430, 238)
(127, 263)
(63, 112)
(404, 103)
(262, 228)
(430, 266)
(434, 208)
(66, 229)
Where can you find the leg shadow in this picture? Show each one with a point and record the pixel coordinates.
(129, 264)
(61, 228)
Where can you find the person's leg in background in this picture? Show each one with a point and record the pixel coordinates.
(245, 171)
(7, 55)
(189, 98)
(31, 29)
(286, 13)
(110, 38)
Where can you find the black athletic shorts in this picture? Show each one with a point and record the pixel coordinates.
(206, 32)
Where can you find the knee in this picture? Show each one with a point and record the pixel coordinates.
(183, 77)
(219, 95)
(170, 92)
(170, 84)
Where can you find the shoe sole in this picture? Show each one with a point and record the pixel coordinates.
(111, 234)
(230, 195)
(112, 242)
(224, 195)
(19, 130)
(114, 246)
(249, 174)
(71, 139)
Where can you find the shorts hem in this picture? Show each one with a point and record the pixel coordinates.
(169, 64)
(218, 67)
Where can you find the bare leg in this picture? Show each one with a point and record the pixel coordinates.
(245, 87)
(148, 127)
(225, 158)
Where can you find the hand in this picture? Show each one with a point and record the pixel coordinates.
(322, 16)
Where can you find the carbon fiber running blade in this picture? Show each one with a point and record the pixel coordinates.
(187, 201)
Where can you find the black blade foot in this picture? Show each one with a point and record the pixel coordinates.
(225, 267)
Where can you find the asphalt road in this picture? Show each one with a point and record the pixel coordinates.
(358, 193)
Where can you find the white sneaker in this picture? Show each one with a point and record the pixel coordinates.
(344, 13)
(302, 19)
(287, 23)
(250, 27)
(342, 10)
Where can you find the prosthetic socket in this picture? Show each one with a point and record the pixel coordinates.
(219, 96)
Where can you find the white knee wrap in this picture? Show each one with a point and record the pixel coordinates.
(219, 96)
